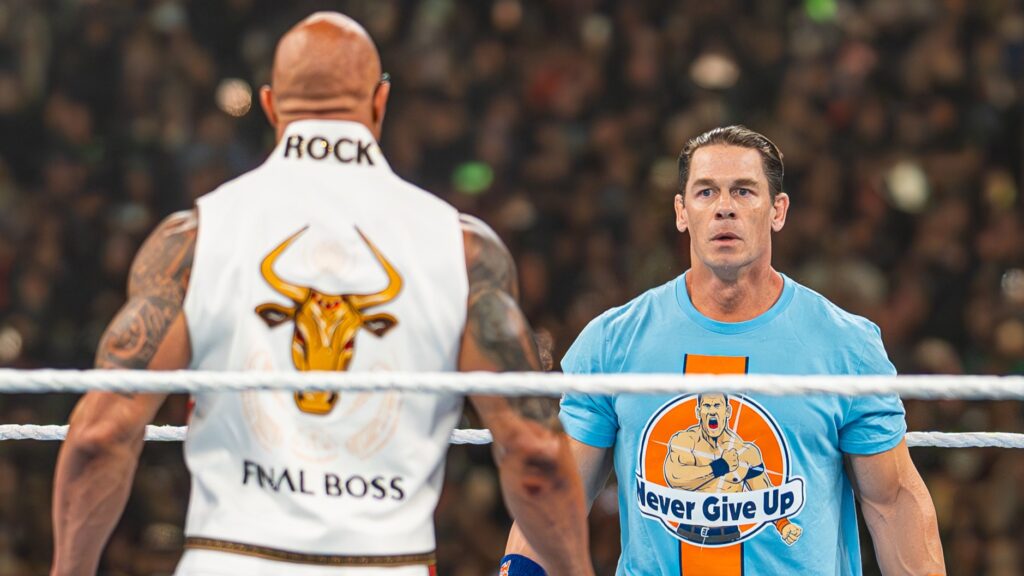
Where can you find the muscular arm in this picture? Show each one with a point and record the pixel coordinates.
(751, 469)
(899, 512)
(538, 477)
(97, 461)
(681, 467)
(757, 478)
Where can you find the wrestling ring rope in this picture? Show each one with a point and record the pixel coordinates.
(515, 384)
(177, 434)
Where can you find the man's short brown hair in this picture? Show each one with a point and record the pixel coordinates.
(771, 157)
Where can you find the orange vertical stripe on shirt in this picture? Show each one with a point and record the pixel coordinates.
(695, 560)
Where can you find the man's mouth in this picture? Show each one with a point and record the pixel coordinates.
(724, 237)
(713, 423)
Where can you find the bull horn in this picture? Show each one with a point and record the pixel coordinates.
(297, 294)
(361, 301)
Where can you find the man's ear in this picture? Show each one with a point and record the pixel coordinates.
(681, 221)
(780, 207)
(380, 105)
(267, 103)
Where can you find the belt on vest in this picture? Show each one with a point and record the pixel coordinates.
(390, 560)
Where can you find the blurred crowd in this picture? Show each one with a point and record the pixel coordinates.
(559, 123)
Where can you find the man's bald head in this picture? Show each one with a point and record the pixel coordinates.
(326, 67)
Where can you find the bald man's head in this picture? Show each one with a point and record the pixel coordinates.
(326, 67)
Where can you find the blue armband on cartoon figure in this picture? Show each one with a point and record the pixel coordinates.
(519, 565)
(719, 467)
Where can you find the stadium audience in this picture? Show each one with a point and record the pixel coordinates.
(559, 123)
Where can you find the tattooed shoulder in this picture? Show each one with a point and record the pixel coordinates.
(488, 262)
(164, 261)
(156, 290)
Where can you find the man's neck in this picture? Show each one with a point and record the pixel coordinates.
(737, 297)
(711, 440)
(343, 116)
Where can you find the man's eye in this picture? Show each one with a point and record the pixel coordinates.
(742, 191)
(704, 193)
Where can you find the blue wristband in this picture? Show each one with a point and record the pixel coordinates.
(719, 467)
(519, 565)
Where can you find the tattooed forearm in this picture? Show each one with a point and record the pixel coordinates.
(156, 291)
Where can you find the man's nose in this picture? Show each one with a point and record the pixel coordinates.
(726, 208)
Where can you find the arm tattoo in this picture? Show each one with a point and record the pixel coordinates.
(132, 339)
(491, 266)
(495, 324)
(539, 409)
(156, 290)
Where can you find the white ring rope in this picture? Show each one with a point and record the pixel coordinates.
(510, 383)
(471, 436)
(514, 383)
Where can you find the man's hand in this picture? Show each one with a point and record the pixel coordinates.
(732, 458)
(791, 533)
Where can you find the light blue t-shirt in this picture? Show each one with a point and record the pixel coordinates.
(751, 484)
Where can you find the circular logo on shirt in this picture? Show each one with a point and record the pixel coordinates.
(714, 470)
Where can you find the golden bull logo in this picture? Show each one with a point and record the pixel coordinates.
(326, 324)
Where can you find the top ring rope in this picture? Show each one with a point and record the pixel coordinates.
(510, 383)
(474, 436)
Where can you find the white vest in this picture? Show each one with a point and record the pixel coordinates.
(323, 259)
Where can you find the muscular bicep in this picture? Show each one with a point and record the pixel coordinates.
(681, 467)
(149, 332)
(497, 336)
(680, 450)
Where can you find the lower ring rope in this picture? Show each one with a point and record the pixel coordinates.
(472, 436)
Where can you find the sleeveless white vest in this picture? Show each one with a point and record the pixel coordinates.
(322, 259)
